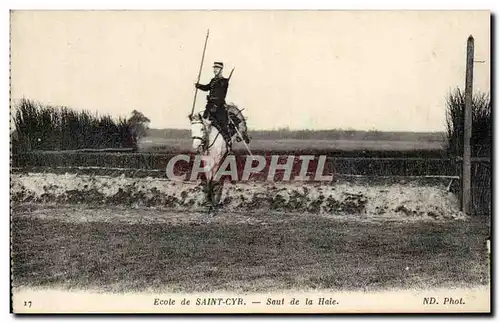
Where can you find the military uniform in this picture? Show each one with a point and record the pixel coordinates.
(216, 100)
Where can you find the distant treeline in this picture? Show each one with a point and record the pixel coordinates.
(316, 135)
(45, 127)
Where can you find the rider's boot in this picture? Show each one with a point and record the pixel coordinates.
(225, 134)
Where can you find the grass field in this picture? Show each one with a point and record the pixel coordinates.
(121, 249)
(309, 134)
(171, 140)
(152, 144)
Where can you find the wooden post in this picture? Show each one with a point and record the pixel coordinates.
(466, 173)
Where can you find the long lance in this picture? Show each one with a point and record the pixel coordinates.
(199, 73)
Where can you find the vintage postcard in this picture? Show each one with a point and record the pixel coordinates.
(250, 161)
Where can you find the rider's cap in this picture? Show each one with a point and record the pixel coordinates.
(218, 64)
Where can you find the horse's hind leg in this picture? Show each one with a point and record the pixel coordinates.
(207, 192)
(217, 192)
(213, 195)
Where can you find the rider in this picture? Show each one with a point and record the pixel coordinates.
(216, 99)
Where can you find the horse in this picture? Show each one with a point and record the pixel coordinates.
(210, 144)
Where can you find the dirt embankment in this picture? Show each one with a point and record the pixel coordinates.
(342, 198)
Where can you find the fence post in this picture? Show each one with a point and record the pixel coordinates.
(466, 173)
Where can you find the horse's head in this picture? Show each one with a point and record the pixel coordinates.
(198, 130)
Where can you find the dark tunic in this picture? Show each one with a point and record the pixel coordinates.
(218, 90)
(216, 99)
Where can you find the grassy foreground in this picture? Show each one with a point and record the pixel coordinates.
(279, 251)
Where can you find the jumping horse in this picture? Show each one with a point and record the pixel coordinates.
(210, 144)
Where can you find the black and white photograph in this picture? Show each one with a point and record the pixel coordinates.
(250, 161)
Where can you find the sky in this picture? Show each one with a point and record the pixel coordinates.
(361, 70)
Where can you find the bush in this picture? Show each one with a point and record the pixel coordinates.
(481, 139)
(43, 127)
(481, 143)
